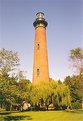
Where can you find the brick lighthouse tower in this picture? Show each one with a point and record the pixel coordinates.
(40, 66)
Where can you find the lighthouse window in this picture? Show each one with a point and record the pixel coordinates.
(37, 72)
(38, 46)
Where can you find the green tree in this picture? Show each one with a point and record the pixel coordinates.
(24, 89)
(75, 86)
(56, 93)
(11, 95)
(8, 91)
(76, 57)
(9, 60)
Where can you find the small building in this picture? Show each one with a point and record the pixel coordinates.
(25, 106)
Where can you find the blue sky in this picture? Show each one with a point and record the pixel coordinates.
(64, 31)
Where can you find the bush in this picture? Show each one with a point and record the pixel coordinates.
(76, 105)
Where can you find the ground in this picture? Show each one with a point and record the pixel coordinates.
(44, 116)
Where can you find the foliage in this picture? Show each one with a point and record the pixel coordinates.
(76, 57)
(76, 105)
(8, 90)
(76, 82)
(8, 61)
(11, 95)
(52, 92)
(75, 85)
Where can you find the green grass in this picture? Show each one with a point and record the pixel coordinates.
(44, 116)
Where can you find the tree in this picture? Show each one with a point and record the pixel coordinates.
(76, 57)
(75, 86)
(8, 91)
(14, 87)
(53, 92)
(9, 60)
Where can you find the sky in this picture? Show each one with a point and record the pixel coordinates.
(64, 32)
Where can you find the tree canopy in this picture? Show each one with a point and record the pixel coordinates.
(76, 57)
(9, 60)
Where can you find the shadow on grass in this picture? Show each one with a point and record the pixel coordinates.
(16, 118)
(8, 112)
(4, 113)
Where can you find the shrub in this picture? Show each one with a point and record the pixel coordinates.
(76, 105)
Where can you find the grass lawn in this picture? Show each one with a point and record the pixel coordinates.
(43, 116)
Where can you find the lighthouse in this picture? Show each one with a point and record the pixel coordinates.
(40, 63)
